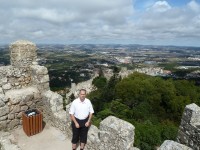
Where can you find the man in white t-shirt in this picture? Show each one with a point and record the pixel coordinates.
(80, 112)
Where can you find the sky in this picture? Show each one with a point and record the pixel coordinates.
(148, 22)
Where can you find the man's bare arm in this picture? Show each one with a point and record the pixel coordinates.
(87, 124)
(74, 120)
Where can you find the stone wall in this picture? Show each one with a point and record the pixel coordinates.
(22, 53)
(21, 84)
(189, 130)
(82, 85)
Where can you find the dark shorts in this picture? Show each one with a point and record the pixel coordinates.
(79, 134)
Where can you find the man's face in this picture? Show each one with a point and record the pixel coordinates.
(82, 95)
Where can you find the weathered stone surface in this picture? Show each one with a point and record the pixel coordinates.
(189, 132)
(134, 148)
(82, 85)
(23, 53)
(3, 125)
(3, 98)
(116, 134)
(7, 86)
(44, 79)
(1, 91)
(13, 123)
(24, 108)
(1, 102)
(11, 116)
(34, 63)
(16, 109)
(18, 95)
(195, 119)
(171, 145)
(54, 99)
(19, 115)
(39, 70)
(3, 81)
(3, 118)
(93, 138)
(4, 111)
(29, 103)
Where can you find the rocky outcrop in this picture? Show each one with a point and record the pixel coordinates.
(171, 145)
(116, 134)
(189, 130)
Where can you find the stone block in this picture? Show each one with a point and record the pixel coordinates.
(18, 95)
(44, 79)
(3, 118)
(4, 111)
(1, 90)
(16, 109)
(7, 86)
(29, 103)
(2, 104)
(171, 145)
(24, 108)
(3, 98)
(11, 116)
(115, 130)
(19, 115)
(39, 70)
(13, 123)
(3, 81)
(3, 125)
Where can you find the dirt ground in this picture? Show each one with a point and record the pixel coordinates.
(49, 139)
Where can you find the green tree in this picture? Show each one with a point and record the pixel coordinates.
(99, 82)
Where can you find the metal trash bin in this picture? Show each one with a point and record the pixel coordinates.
(32, 122)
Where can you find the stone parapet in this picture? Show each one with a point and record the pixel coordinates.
(14, 102)
(189, 130)
(21, 84)
(171, 145)
(22, 53)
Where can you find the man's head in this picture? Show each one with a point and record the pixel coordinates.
(82, 94)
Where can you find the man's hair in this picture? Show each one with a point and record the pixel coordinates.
(82, 90)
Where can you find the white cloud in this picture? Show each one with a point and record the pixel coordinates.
(103, 21)
(194, 6)
(161, 6)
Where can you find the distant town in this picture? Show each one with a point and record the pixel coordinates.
(77, 63)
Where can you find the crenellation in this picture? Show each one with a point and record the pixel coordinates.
(189, 133)
(22, 53)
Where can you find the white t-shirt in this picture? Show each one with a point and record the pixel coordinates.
(81, 110)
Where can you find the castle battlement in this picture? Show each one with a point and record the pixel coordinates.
(189, 130)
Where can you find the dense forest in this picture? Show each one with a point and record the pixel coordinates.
(152, 104)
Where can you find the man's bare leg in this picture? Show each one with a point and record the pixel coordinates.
(73, 146)
(82, 145)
